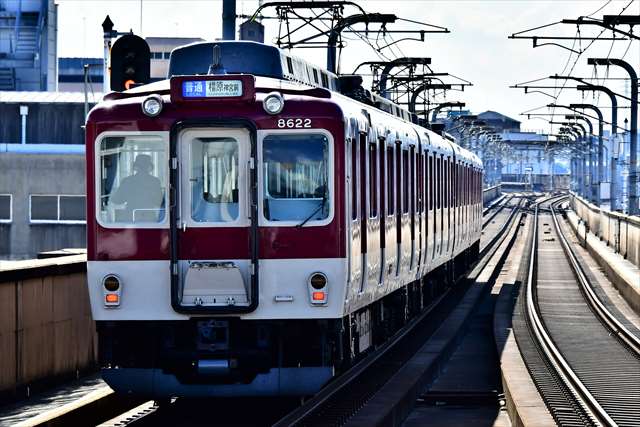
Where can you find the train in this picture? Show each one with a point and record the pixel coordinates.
(257, 225)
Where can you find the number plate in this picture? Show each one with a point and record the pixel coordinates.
(211, 88)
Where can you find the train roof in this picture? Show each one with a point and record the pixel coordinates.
(275, 69)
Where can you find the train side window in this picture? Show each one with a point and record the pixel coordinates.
(354, 179)
(431, 184)
(398, 180)
(413, 161)
(373, 179)
(296, 177)
(466, 185)
(133, 180)
(325, 80)
(440, 179)
(457, 182)
(382, 176)
(391, 201)
(446, 193)
(290, 65)
(315, 76)
(405, 181)
(363, 176)
(420, 181)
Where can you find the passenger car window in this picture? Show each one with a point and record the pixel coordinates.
(132, 179)
(295, 174)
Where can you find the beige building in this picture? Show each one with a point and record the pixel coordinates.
(161, 48)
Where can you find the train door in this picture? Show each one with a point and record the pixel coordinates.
(355, 241)
(404, 215)
(412, 207)
(371, 212)
(382, 213)
(390, 223)
(438, 206)
(446, 192)
(420, 217)
(432, 206)
(362, 204)
(426, 213)
(214, 178)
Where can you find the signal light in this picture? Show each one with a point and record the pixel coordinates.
(130, 62)
(112, 288)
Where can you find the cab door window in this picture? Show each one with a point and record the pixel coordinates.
(215, 196)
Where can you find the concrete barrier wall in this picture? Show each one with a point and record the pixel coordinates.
(620, 232)
(46, 328)
(489, 194)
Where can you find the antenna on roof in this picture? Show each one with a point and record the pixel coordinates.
(216, 62)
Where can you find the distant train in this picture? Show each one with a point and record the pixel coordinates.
(255, 230)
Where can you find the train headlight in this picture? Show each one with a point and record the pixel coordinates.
(273, 103)
(152, 105)
(112, 289)
(317, 287)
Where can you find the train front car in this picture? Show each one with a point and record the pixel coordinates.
(216, 263)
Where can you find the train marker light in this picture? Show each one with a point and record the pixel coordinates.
(111, 298)
(317, 287)
(112, 288)
(152, 105)
(273, 103)
(318, 280)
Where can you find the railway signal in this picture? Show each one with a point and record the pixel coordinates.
(130, 62)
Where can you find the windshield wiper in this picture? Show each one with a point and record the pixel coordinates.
(319, 208)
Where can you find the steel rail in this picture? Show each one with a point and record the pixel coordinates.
(498, 208)
(607, 318)
(549, 348)
(306, 410)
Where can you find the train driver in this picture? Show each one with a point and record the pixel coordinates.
(141, 193)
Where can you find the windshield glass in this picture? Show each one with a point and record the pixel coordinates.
(295, 170)
(132, 179)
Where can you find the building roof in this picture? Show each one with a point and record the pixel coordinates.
(24, 97)
(494, 115)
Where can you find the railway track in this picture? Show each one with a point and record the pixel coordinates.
(340, 400)
(584, 361)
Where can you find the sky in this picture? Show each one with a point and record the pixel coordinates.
(477, 48)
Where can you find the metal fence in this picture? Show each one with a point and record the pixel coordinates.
(620, 232)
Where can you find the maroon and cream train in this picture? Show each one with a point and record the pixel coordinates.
(254, 231)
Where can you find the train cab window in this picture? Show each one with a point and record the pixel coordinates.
(295, 174)
(391, 200)
(214, 180)
(373, 179)
(132, 178)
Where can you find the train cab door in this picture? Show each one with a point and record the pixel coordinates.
(213, 239)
